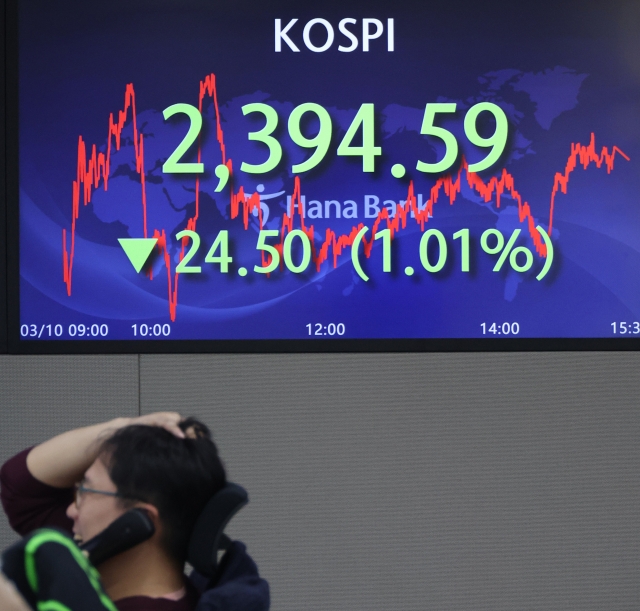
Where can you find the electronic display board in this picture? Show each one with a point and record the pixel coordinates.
(336, 176)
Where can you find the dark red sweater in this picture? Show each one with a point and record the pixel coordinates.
(30, 504)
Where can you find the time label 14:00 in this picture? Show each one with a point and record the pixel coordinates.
(505, 328)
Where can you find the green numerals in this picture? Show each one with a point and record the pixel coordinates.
(294, 251)
(496, 142)
(306, 251)
(221, 243)
(183, 267)
(463, 236)
(271, 250)
(358, 141)
(264, 136)
(173, 165)
(363, 123)
(218, 254)
(450, 142)
(385, 235)
(320, 142)
(424, 251)
(368, 150)
(287, 255)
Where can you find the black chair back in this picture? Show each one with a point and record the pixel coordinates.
(208, 534)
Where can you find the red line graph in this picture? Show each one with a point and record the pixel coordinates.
(93, 169)
(89, 172)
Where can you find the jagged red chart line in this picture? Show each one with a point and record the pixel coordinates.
(97, 166)
(94, 169)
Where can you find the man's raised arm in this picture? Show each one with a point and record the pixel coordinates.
(62, 460)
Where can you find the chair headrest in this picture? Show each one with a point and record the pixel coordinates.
(208, 534)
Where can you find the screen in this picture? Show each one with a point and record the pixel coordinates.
(417, 172)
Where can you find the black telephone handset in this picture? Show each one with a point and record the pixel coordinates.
(122, 534)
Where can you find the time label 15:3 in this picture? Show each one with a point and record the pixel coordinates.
(361, 129)
(626, 328)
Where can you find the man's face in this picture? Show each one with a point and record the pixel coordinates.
(94, 511)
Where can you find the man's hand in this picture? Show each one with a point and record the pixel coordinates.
(62, 461)
(166, 420)
(10, 599)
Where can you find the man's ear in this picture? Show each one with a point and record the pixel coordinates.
(152, 512)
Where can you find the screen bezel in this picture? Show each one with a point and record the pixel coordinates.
(8, 94)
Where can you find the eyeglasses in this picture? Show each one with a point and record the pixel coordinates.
(81, 489)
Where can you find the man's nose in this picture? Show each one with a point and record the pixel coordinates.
(72, 511)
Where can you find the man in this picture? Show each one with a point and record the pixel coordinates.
(165, 465)
(10, 599)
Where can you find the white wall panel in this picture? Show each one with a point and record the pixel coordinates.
(41, 396)
(426, 481)
(402, 481)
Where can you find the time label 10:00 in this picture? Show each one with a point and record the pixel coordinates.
(362, 128)
(145, 330)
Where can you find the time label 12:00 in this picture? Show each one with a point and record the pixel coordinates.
(332, 329)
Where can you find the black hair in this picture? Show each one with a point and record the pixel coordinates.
(177, 476)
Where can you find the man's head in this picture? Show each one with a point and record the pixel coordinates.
(147, 465)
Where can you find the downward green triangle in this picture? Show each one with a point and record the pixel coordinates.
(138, 250)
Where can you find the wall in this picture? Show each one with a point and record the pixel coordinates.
(393, 481)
